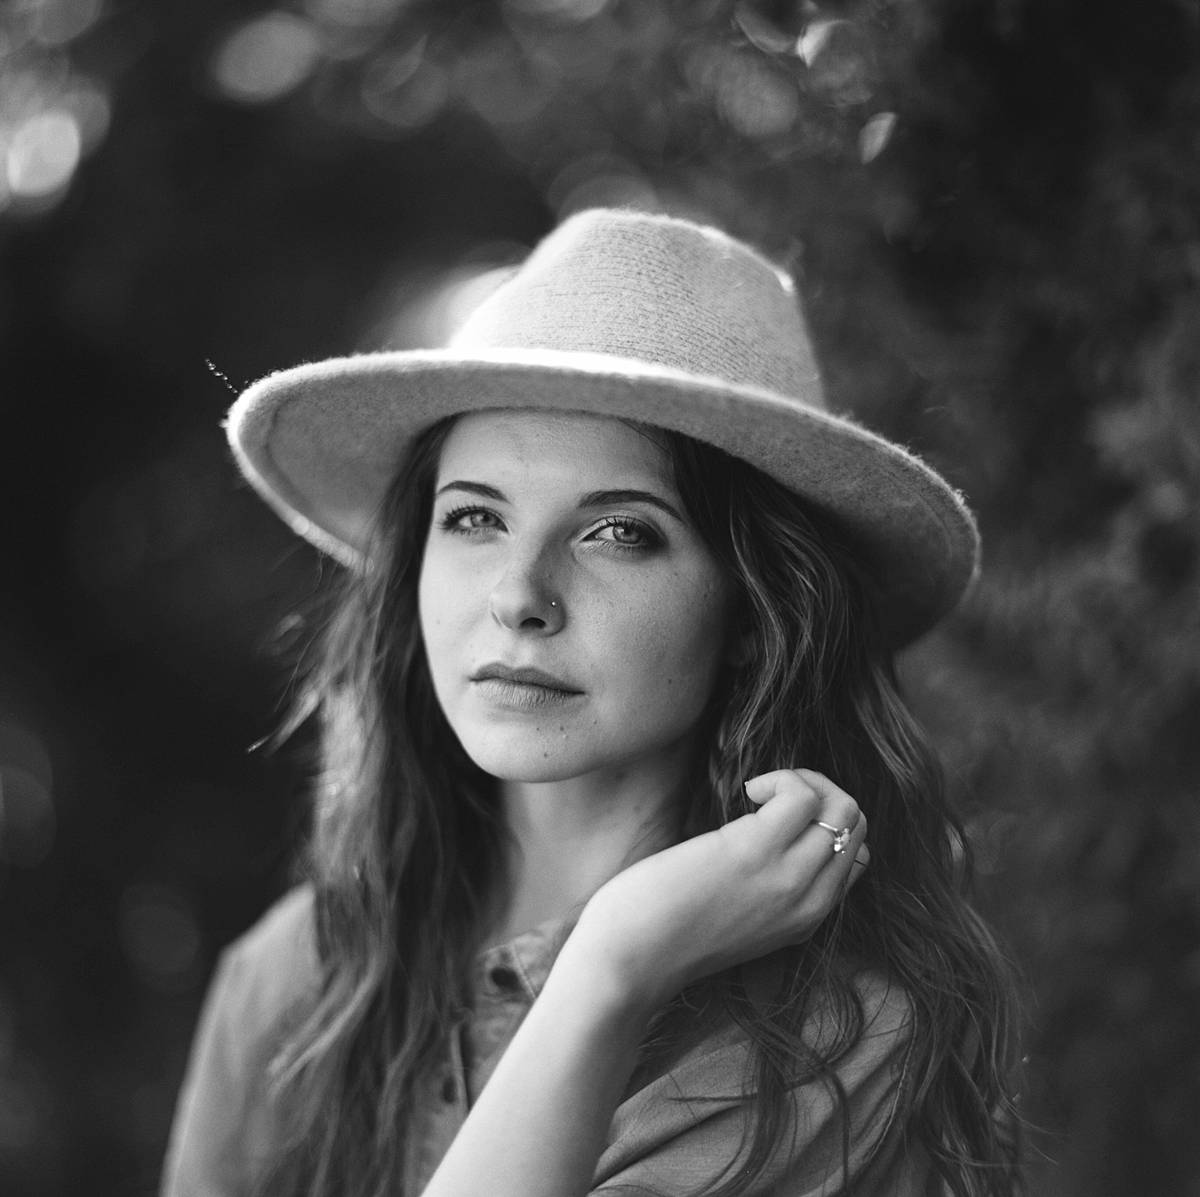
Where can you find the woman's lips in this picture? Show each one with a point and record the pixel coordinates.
(522, 687)
(522, 695)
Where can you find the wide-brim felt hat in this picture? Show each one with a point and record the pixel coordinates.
(642, 317)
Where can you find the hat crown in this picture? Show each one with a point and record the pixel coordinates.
(656, 290)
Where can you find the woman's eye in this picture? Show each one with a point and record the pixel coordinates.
(470, 519)
(626, 534)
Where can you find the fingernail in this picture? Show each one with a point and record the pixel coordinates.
(756, 783)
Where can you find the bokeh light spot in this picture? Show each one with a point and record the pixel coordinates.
(59, 21)
(265, 59)
(875, 134)
(92, 110)
(427, 312)
(839, 57)
(27, 820)
(27, 815)
(160, 936)
(600, 180)
(815, 38)
(21, 746)
(404, 90)
(498, 89)
(43, 154)
(761, 31)
(754, 100)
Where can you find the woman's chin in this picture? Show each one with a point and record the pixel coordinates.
(543, 758)
(511, 760)
(514, 767)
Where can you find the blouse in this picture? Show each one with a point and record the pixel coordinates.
(660, 1140)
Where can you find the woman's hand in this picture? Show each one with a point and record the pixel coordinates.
(762, 881)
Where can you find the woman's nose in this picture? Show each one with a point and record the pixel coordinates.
(524, 599)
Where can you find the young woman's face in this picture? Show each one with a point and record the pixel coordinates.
(573, 619)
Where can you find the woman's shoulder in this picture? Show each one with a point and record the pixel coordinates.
(687, 1120)
(861, 1020)
(223, 1123)
(273, 964)
(885, 1005)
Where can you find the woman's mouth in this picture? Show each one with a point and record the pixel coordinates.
(522, 687)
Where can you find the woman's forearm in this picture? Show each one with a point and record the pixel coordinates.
(539, 1125)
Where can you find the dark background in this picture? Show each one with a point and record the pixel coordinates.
(993, 209)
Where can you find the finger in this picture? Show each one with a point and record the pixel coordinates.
(834, 800)
(851, 828)
(839, 811)
(786, 804)
(765, 786)
(838, 870)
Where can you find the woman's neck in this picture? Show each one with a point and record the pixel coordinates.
(568, 838)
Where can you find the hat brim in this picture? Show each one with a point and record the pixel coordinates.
(321, 442)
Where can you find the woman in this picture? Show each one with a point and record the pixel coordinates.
(607, 708)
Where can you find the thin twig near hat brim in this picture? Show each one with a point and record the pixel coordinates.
(712, 346)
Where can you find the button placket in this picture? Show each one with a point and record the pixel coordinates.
(441, 1116)
(451, 1086)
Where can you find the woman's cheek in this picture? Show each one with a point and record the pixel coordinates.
(680, 658)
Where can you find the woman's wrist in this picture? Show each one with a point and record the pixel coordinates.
(599, 958)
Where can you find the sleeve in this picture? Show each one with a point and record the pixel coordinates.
(223, 1124)
(206, 1153)
(689, 1128)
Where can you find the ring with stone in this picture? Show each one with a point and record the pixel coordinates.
(841, 836)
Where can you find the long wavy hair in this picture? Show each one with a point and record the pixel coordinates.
(407, 839)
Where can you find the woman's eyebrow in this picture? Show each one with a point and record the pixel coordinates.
(474, 488)
(601, 498)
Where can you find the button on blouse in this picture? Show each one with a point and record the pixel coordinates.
(503, 979)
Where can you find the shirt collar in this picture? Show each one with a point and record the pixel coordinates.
(529, 955)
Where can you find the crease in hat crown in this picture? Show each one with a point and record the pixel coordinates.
(641, 317)
(656, 290)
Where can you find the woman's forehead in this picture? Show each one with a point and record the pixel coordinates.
(573, 444)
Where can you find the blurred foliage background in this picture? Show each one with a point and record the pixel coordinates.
(993, 207)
